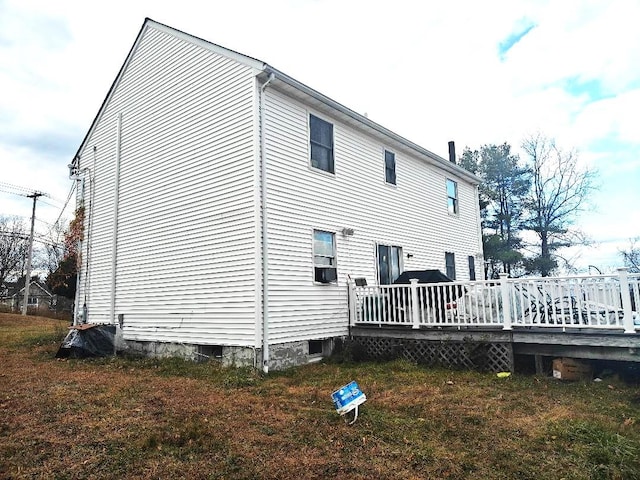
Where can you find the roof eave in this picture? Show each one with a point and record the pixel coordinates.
(423, 152)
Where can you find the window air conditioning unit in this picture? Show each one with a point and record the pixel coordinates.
(326, 275)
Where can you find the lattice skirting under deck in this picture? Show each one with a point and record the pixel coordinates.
(484, 356)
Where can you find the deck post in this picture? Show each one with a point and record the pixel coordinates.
(415, 308)
(627, 320)
(506, 304)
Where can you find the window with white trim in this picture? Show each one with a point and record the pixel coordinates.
(324, 257)
(321, 140)
(450, 264)
(452, 197)
(390, 167)
(389, 264)
(472, 267)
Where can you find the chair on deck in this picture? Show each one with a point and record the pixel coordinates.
(541, 307)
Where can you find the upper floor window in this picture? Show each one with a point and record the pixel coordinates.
(389, 264)
(450, 264)
(452, 197)
(390, 167)
(321, 139)
(324, 257)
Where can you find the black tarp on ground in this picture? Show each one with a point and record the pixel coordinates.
(88, 341)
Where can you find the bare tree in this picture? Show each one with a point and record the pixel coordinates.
(53, 247)
(13, 246)
(560, 188)
(631, 257)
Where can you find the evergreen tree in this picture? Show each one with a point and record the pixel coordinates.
(502, 191)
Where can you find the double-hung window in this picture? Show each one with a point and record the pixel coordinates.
(450, 264)
(390, 167)
(324, 257)
(321, 140)
(452, 197)
(389, 263)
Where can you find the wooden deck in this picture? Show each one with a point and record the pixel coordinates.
(538, 342)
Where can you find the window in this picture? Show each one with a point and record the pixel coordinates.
(452, 197)
(32, 300)
(389, 264)
(450, 263)
(324, 257)
(390, 167)
(472, 268)
(315, 347)
(321, 137)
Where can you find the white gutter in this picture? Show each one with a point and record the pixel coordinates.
(116, 199)
(265, 243)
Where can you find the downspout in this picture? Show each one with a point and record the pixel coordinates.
(89, 217)
(116, 199)
(265, 244)
(76, 314)
(479, 227)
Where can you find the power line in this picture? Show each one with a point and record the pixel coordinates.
(73, 187)
(22, 191)
(36, 238)
(16, 187)
(51, 204)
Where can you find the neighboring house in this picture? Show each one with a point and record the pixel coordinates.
(212, 181)
(5, 299)
(12, 295)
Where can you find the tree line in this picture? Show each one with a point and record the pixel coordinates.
(529, 205)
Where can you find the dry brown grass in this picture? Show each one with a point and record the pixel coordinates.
(119, 418)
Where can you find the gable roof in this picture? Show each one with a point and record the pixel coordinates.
(17, 288)
(290, 86)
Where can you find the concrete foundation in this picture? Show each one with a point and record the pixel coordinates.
(282, 355)
(293, 354)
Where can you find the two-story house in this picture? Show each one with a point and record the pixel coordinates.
(227, 205)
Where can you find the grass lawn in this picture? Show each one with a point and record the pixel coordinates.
(124, 418)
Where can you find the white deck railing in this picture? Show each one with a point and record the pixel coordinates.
(603, 302)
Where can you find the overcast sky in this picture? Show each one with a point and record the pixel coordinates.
(474, 72)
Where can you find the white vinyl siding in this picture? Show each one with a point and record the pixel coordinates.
(186, 228)
(413, 215)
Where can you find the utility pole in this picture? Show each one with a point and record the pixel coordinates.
(27, 278)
